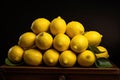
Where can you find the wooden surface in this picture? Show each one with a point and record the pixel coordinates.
(58, 73)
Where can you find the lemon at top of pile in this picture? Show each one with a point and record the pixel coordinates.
(58, 25)
(74, 28)
(40, 25)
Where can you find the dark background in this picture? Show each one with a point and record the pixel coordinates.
(17, 16)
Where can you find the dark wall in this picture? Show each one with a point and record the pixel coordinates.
(104, 17)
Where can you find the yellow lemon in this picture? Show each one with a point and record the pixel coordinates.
(15, 54)
(32, 57)
(67, 58)
(94, 38)
(61, 42)
(50, 57)
(44, 40)
(79, 43)
(86, 58)
(74, 28)
(57, 25)
(40, 25)
(104, 54)
(26, 40)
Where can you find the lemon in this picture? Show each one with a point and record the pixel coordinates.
(32, 57)
(104, 54)
(86, 58)
(50, 57)
(26, 40)
(79, 43)
(61, 42)
(74, 28)
(67, 58)
(15, 54)
(94, 38)
(57, 25)
(40, 25)
(44, 40)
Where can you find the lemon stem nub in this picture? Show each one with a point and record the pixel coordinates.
(65, 61)
(75, 47)
(42, 33)
(51, 61)
(60, 44)
(59, 17)
(87, 56)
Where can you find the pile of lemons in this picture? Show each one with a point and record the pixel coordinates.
(57, 42)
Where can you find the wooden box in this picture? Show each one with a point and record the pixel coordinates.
(58, 73)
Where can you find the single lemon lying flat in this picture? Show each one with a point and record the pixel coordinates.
(67, 58)
(15, 54)
(86, 58)
(50, 57)
(32, 57)
(94, 38)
